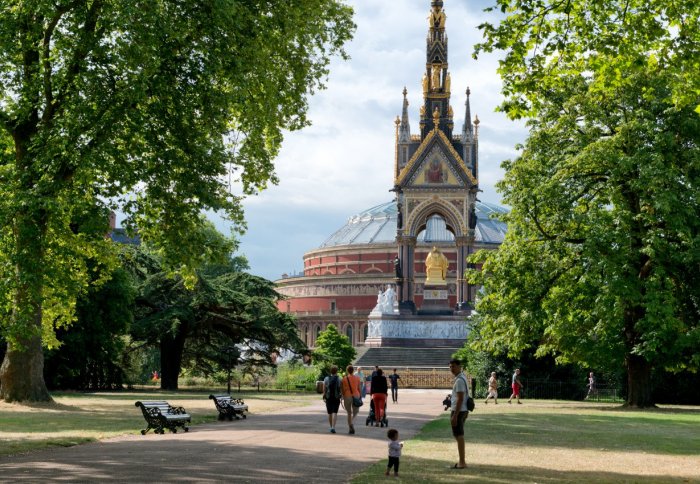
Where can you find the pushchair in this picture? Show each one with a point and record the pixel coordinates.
(372, 417)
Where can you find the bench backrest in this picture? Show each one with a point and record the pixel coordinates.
(162, 406)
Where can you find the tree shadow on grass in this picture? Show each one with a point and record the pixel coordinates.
(586, 431)
(432, 470)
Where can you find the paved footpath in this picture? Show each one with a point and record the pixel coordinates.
(293, 445)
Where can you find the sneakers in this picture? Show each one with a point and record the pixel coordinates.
(332, 430)
(352, 429)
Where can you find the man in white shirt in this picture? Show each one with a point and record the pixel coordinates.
(460, 393)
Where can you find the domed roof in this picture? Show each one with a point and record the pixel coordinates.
(377, 225)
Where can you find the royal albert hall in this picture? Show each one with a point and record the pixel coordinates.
(436, 176)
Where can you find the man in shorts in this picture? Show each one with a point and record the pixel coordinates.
(459, 413)
(516, 385)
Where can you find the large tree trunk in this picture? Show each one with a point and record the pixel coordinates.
(22, 374)
(171, 348)
(638, 382)
(22, 371)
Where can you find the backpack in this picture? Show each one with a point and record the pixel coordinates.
(333, 388)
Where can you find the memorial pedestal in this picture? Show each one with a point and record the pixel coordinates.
(435, 301)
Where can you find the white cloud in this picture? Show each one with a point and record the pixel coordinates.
(343, 163)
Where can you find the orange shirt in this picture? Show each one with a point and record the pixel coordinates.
(350, 386)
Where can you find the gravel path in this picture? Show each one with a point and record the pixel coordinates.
(293, 445)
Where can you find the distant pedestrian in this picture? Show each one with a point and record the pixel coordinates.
(493, 389)
(516, 385)
(460, 394)
(350, 387)
(592, 390)
(331, 395)
(363, 385)
(379, 392)
(394, 379)
(394, 452)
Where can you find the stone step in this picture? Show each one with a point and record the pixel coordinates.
(391, 357)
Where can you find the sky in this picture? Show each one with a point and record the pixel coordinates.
(343, 163)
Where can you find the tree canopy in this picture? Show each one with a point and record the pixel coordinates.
(600, 264)
(225, 310)
(333, 348)
(154, 107)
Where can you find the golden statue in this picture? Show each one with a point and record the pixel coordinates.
(425, 84)
(435, 77)
(436, 117)
(448, 81)
(422, 111)
(436, 265)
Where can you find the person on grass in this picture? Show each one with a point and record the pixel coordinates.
(459, 412)
(394, 452)
(493, 389)
(516, 385)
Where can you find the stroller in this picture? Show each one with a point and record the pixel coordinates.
(372, 417)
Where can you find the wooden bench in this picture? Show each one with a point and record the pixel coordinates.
(160, 415)
(229, 407)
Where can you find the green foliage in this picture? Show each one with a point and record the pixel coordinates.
(160, 109)
(332, 348)
(600, 263)
(196, 327)
(290, 375)
(91, 350)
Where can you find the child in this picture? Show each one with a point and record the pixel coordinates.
(394, 451)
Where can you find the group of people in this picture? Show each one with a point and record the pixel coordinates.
(516, 386)
(349, 388)
(350, 391)
(339, 391)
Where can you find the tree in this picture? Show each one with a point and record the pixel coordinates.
(601, 259)
(91, 353)
(152, 107)
(195, 327)
(333, 348)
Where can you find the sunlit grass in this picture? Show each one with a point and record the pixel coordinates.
(543, 441)
(76, 418)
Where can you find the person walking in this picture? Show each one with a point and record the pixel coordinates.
(363, 386)
(459, 412)
(379, 391)
(394, 379)
(331, 395)
(591, 386)
(394, 452)
(516, 385)
(350, 387)
(493, 389)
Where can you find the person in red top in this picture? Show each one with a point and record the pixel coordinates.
(379, 391)
(350, 387)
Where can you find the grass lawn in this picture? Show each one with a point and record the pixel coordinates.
(76, 418)
(552, 442)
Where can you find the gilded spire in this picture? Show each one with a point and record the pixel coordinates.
(404, 128)
(467, 129)
(436, 78)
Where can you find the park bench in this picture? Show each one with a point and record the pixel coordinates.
(229, 407)
(160, 415)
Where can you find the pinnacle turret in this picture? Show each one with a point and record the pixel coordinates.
(467, 128)
(405, 127)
